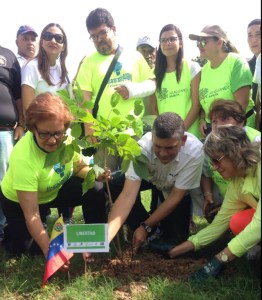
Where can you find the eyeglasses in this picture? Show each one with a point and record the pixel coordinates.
(216, 161)
(202, 43)
(101, 34)
(48, 36)
(170, 40)
(47, 135)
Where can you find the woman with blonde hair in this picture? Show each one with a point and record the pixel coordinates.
(235, 158)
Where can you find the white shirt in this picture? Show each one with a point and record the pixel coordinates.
(184, 172)
(22, 60)
(32, 77)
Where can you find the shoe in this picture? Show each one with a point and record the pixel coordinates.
(209, 270)
(253, 252)
(155, 235)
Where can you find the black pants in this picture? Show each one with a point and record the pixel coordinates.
(175, 226)
(17, 237)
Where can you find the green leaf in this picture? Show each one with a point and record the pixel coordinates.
(116, 111)
(98, 170)
(115, 121)
(122, 138)
(141, 166)
(115, 99)
(67, 154)
(53, 158)
(138, 107)
(88, 104)
(125, 165)
(132, 147)
(89, 181)
(76, 130)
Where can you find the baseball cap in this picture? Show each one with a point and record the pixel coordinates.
(146, 40)
(210, 31)
(25, 29)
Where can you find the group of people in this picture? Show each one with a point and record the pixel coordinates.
(191, 106)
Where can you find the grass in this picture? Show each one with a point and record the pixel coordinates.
(20, 278)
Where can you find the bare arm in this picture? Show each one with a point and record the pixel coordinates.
(19, 130)
(28, 94)
(153, 105)
(242, 96)
(206, 184)
(159, 214)
(30, 208)
(122, 207)
(194, 110)
(202, 122)
(181, 249)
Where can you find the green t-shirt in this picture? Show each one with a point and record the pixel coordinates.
(131, 66)
(176, 97)
(223, 81)
(26, 172)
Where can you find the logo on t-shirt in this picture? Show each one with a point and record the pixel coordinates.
(59, 169)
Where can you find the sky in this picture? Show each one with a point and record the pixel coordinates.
(133, 19)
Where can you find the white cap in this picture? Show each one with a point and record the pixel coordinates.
(146, 40)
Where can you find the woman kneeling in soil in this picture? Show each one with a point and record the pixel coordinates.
(29, 187)
(239, 160)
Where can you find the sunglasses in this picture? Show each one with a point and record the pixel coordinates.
(202, 43)
(48, 36)
(170, 40)
(216, 161)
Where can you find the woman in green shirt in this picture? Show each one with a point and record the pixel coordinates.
(30, 186)
(237, 159)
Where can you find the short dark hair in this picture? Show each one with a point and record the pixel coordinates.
(98, 17)
(168, 124)
(254, 22)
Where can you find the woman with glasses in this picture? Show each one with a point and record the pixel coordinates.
(235, 158)
(177, 80)
(30, 187)
(47, 73)
(226, 75)
(213, 185)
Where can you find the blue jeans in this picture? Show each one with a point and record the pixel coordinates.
(6, 146)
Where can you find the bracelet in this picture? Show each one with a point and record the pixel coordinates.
(207, 194)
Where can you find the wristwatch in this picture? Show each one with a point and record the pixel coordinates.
(147, 228)
(223, 256)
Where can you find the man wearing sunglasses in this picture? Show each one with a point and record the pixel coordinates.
(131, 78)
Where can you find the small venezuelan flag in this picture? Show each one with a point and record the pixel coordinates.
(57, 256)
